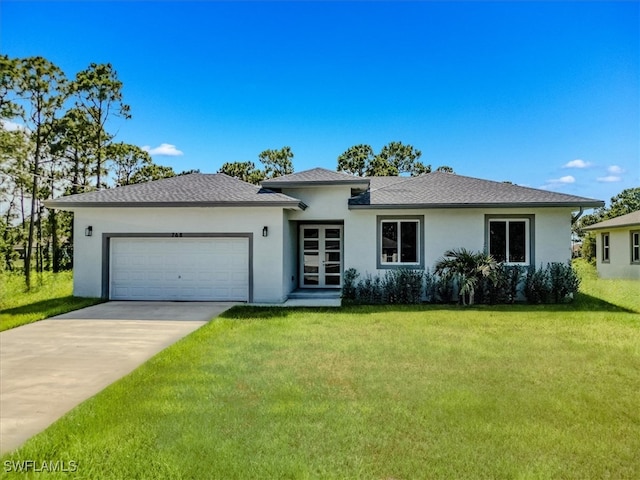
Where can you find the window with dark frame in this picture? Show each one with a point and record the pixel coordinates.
(509, 240)
(399, 241)
(605, 248)
(635, 247)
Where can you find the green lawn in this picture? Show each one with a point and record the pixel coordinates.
(623, 293)
(51, 294)
(385, 392)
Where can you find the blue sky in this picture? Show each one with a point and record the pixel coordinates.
(542, 94)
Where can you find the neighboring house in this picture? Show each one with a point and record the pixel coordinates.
(618, 246)
(213, 237)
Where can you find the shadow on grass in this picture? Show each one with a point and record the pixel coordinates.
(242, 312)
(582, 303)
(53, 306)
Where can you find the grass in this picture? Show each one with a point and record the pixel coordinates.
(622, 293)
(51, 294)
(362, 392)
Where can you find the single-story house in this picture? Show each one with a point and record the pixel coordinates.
(214, 237)
(618, 246)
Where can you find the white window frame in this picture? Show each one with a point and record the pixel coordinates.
(527, 237)
(606, 247)
(398, 221)
(635, 245)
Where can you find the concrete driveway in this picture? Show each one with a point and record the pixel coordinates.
(49, 367)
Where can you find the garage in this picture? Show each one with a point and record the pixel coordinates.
(182, 269)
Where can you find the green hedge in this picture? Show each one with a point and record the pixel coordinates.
(554, 283)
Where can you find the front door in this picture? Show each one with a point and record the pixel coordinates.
(321, 256)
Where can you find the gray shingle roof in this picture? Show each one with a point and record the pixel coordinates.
(628, 220)
(196, 189)
(442, 190)
(315, 176)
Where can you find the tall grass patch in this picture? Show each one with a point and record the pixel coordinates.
(50, 294)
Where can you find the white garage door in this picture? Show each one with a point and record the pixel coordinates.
(197, 269)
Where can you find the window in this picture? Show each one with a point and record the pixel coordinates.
(399, 242)
(635, 247)
(605, 248)
(509, 240)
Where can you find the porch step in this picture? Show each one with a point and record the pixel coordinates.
(312, 293)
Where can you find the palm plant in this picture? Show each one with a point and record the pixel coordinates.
(466, 268)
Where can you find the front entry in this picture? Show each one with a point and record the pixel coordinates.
(320, 256)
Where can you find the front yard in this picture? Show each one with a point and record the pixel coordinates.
(385, 392)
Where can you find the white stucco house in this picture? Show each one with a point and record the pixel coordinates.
(618, 246)
(213, 237)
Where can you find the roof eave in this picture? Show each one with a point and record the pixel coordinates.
(611, 227)
(296, 205)
(316, 183)
(590, 204)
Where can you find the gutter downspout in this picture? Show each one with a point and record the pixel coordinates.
(574, 218)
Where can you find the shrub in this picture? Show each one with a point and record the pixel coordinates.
(564, 281)
(589, 248)
(396, 286)
(444, 289)
(468, 270)
(369, 290)
(503, 287)
(464, 278)
(403, 286)
(430, 287)
(537, 287)
(349, 286)
(555, 283)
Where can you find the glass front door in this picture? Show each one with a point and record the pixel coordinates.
(321, 251)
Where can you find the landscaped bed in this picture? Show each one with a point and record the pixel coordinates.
(373, 392)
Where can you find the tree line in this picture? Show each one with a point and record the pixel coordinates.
(394, 159)
(57, 138)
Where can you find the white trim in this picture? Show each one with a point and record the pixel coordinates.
(322, 228)
(527, 243)
(399, 246)
(606, 247)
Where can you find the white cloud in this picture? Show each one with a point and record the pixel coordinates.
(563, 180)
(615, 170)
(577, 163)
(165, 149)
(609, 179)
(555, 183)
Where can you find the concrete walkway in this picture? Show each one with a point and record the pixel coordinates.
(49, 367)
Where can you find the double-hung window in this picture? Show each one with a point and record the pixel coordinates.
(605, 248)
(635, 247)
(509, 240)
(399, 242)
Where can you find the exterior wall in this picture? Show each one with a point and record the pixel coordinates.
(275, 257)
(267, 251)
(619, 265)
(324, 203)
(445, 229)
(290, 256)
